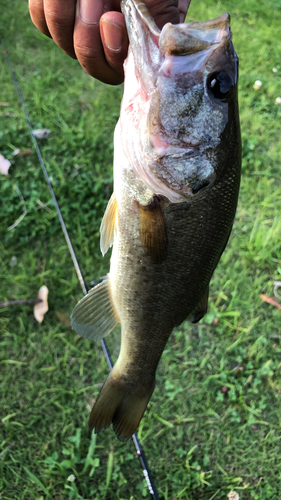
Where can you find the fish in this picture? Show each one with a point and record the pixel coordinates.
(177, 165)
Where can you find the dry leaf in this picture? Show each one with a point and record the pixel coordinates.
(13, 261)
(22, 152)
(257, 85)
(43, 205)
(85, 103)
(232, 495)
(224, 389)
(270, 300)
(24, 211)
(41, 308)
(8, 113)
(71, 478)
(41, 133)
(276, 284)
(4, 165)
(4, 103)
(64, 318)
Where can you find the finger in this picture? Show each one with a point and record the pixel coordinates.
(36, 10)
(115, 40)
(60, 19)
(168, 11)
(183, 8)
(88, 45)
(164, 11)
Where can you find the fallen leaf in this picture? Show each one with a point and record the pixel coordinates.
(85, 103)
(71, 478)
(232, 495)
(8, 113)
(257, 85)
(224, 389)
(276, 284)
(41, 308)
(13, 261)
(270, 300)
(41, 133)
(4, 165)
(64, 318)
(4, 104)
(22, 152)
(24, 211)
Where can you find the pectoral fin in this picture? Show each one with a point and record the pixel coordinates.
(108, 225)
(153, 229)
(201, 308)
(94, 316)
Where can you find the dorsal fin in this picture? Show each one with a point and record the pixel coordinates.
(153, 228)
(108, 225)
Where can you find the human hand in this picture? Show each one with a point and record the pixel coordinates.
(94, 31)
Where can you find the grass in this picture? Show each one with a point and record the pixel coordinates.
(213, 424)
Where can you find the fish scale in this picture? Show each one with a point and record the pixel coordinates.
(177, 161)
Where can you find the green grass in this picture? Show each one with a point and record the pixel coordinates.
(200, 442)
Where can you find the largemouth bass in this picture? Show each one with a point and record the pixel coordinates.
(177, 156)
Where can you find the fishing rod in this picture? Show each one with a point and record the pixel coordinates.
(139, 450)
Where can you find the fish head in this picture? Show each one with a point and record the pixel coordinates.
(179, 112)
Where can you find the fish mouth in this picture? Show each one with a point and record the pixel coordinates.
(161, 63)
(163, 147)
(189, 38)
(175, 48)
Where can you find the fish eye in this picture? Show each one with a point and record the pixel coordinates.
(220, 84)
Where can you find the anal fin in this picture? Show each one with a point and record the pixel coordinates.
(201, 308)
(108, 225)
(94, 316)
(153, 228)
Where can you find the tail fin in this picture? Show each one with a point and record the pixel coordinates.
(118, 405)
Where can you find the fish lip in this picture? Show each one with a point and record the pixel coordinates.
(180, 151)
(186, 149)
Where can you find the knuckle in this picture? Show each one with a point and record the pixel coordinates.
(86, 53)
(57, 22)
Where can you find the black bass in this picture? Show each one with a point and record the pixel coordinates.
(177, 162)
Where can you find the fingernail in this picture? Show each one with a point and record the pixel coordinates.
(90, 11)
(113, 35)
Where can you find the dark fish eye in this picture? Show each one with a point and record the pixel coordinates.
(220, 84)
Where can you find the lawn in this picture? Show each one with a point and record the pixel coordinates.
(213, 423)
